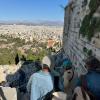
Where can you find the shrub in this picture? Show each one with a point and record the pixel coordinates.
(85, 49)
(93, 5)
(90, 24)
(89, 52)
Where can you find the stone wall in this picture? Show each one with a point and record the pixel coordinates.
(7, 93)
(73, 43)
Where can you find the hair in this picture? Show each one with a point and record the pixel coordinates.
(44, 66)
(69, 67)
(93, 62)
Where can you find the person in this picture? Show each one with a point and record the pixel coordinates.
(41, 83)
(68, 73)
(91, 81)
(69, 77)
(58, 73)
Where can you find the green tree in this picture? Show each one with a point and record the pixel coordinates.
(16, 59)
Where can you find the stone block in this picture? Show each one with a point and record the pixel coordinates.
(7, 93)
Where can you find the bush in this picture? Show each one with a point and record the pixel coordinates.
(97, 25)
(89, 52)
(86, 28)
(40, 55)
(90, 24)
(6, 57)
(85, 49)
(93, 5)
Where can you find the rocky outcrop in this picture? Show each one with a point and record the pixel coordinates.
(7, 93)
(6, 70)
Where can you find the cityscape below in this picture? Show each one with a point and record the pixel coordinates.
(50, 59)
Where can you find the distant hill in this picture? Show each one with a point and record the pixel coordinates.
(36, 23)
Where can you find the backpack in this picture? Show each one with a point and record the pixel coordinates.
(84, 87)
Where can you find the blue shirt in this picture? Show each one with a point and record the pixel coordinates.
(92, 83)
(39, 85)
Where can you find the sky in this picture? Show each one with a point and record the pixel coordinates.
(32, 10)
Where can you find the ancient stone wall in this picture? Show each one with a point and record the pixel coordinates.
(77, 47)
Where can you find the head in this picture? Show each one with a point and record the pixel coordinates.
(92, 63)
(67, 64)
(46, 63)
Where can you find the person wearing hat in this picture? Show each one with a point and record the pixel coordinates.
(67, 64)
(41, 83)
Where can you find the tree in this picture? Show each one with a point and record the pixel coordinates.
(23, 58)
(16, 59)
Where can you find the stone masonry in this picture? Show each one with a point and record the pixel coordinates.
(73, 43)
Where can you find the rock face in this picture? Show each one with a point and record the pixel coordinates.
(7, 93)
(75, 46)
(18, 80)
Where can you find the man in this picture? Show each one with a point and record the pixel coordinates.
(41, 83)
(91, 81)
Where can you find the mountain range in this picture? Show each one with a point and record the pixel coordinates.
(35, 23)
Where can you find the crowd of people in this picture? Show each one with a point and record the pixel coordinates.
(48, 84)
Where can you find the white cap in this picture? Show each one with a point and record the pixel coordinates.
(46, 60)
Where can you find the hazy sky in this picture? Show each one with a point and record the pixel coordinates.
(32, 10)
